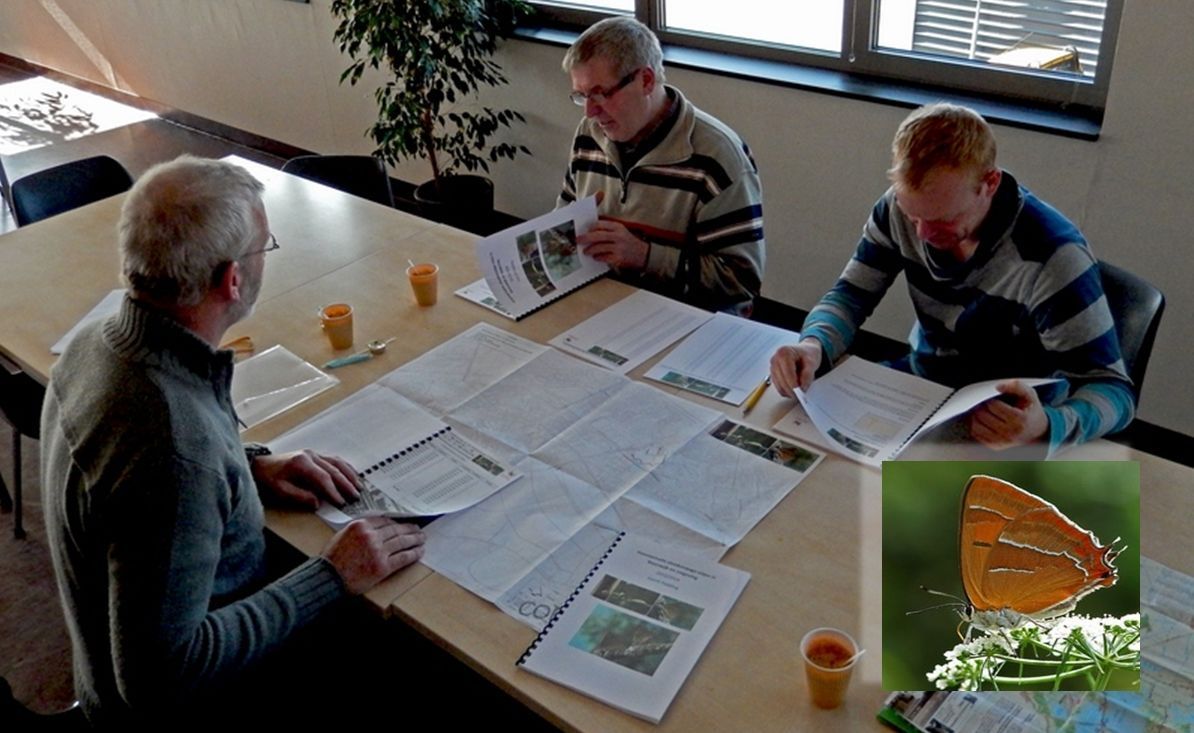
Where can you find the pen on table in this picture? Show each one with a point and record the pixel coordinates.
(242, 345)
(753, 398)
(375, 348)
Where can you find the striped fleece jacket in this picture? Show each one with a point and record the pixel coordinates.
(1028, 303)
(694, 198)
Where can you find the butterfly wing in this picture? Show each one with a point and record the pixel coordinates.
(1019, 552)
(1044, 563)
(987, 508)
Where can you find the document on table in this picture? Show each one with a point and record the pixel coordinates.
(724, 359)
(457, 370)
(870, 412)
(110, 305)
(478, 292)
(598, 453)
(631, 331)
(631, 632)
(272, 382)
(412, 464)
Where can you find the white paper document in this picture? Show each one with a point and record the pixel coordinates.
(870, 412)
(272, 382)
(598, 454)
(632, 631)
(110, 305)
(412, 464)
(456, 371)
(479, 293)
(631, 331)
(725, 359)
(531, 264)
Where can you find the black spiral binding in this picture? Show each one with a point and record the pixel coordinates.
(900, 448)
(405, 451)
(555, 296)
(564, 606)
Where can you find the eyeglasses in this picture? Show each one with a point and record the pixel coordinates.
(273, 244)
(599, 96)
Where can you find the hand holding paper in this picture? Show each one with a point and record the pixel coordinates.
(1000, 424)
(795, 367)
(609, 241)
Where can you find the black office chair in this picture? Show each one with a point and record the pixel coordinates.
(360, 175)
(1136, 305)
(20, 406)
(5, 188)
(68, 186)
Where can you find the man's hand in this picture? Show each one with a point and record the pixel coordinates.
(369, 550)
(305, 477)
(612, 243)
(795, 366)
(999, 424)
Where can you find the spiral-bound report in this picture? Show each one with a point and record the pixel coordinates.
(411, 463)
(632, 631)
(870, 412)
(536, 262)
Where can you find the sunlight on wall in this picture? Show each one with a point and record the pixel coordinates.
(81, 40)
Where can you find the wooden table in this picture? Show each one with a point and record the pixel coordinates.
(54, 271)
(815, 559)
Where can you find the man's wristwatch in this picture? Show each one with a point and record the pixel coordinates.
(256, 450)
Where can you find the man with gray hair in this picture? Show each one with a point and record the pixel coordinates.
(152, 507)
(680, 201)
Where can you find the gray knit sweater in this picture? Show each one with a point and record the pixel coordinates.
(154, 521)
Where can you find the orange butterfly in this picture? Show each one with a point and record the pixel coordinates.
(1022, 558)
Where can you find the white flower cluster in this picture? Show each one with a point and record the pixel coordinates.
(970, 664)
(1103, 633)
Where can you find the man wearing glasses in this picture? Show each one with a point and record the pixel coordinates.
(152, 508)
(680, 202)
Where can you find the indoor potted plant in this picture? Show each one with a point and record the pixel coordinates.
(438, 53)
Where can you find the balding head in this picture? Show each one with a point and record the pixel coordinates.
(182, 221)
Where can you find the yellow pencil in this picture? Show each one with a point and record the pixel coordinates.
(753, 398)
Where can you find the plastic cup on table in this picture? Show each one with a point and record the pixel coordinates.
(424, 279)
(829, 658)
(336, 320)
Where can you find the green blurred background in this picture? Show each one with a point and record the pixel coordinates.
(921, 506)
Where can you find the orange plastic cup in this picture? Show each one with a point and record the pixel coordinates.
(424, 281)
(829, 658)
(336, 320)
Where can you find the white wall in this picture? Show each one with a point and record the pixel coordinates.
(270, 67)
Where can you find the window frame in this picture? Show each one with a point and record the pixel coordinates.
(863, 65)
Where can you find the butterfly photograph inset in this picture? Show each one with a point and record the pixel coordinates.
(1001, 545)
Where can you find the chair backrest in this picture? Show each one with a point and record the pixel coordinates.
(1136, 305)
(360, 175)
(68, 186)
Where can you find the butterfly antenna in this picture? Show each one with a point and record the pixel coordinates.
(931, 608)
(955, 601)
(926, 589)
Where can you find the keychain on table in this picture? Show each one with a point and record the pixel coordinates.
(375, 347)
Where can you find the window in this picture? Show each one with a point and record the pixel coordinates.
(1053, 53)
